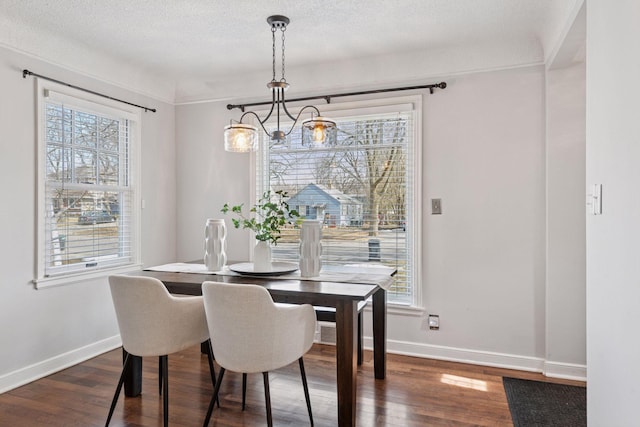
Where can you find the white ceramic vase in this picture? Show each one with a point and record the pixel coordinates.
(262, 256)
(215, 244)
(310, 248)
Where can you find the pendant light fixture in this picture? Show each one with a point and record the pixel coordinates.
(316, 130)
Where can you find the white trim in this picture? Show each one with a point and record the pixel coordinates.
(413, 81)
(77, 99)
(568, 25)
(135, 89)
(407, 103)
(462, 355)
(485, 358)
(567, 371)
(51, 282)
(475, 357)
(400, 310)
(57, 92)
(57, 363)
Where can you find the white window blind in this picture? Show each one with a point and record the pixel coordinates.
(362, 189)
(87, 197)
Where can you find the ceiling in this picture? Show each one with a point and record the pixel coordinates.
(184, 48)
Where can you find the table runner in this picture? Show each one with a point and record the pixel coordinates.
(383, 280)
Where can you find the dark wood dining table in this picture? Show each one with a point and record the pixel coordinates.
(344, 297)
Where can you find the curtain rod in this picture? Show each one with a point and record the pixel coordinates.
(26, 73)
(327, 98)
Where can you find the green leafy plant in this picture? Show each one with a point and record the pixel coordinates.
(271, 214)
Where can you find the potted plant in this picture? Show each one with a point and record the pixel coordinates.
(271, 214)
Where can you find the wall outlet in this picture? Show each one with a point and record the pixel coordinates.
(434, 322)
(436, 207)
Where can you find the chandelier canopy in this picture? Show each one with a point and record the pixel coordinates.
(243, 137)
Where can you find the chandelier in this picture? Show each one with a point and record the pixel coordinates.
(243, 137)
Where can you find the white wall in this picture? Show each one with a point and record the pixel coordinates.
(43, 330)
(613, 238)
(566, 246)
(484, 258)
(207, 177)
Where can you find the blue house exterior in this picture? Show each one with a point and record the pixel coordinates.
(333, 207)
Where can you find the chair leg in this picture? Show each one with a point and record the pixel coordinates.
(360, 343)
(125, 366)
(165, 384)
(244, 389)
(216, 390)
(306, 389)
(212, 369)
(267, 398)
(160, 375)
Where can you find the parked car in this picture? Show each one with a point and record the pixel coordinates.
(95, 217)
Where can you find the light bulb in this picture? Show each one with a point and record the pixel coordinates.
(318, 133)
(241, 141)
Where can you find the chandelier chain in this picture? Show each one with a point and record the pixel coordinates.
(283, 79)
(273, 54)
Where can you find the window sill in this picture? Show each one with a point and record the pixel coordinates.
(401, 310)
(50, 282)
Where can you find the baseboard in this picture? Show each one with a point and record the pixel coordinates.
(39, 370)
(326, 335)
(567, 371)
(453, 354)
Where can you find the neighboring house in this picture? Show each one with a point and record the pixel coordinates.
(331, 206)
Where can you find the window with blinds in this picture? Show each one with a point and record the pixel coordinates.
(86, 206)
(362, 189)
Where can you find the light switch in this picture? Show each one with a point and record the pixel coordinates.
(436, 207)
(596, 199)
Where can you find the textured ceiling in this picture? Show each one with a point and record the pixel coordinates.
(182, 41)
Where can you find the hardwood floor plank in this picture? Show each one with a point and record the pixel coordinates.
(416, 392)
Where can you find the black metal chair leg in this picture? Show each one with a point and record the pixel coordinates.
(306, 389)
(212, 369)
(160, 375)
(360, 343)
(267, 398)
(244, 389)
(125, 366)
(216, 390)
(165, 383)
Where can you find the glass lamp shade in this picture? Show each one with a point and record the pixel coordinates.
(240, 138)
(319, 131)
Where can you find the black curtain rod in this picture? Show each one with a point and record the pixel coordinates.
(327, 98)
(26, 73)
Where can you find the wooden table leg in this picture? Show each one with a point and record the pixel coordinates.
(346, 356)
(133, 376)
(380, 333)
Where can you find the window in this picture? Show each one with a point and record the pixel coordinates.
(363, 189)
(87, 190)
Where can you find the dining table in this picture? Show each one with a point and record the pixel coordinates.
(344, 288)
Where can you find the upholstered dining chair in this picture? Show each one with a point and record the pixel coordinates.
(251, 334)
(153, 322)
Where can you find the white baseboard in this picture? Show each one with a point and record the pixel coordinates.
(453, 354)
(485, 358)
(567, 371)
(57, 363)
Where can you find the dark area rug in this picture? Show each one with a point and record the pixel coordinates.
(535, 403)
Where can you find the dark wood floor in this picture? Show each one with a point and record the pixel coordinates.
(416, 392)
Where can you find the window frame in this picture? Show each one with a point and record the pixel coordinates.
(414, 216)
(84, 102)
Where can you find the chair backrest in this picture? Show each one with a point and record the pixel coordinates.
(249, 333)
(153, 322)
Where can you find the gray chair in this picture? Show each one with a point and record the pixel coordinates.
(153, 322)
(251, 334)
